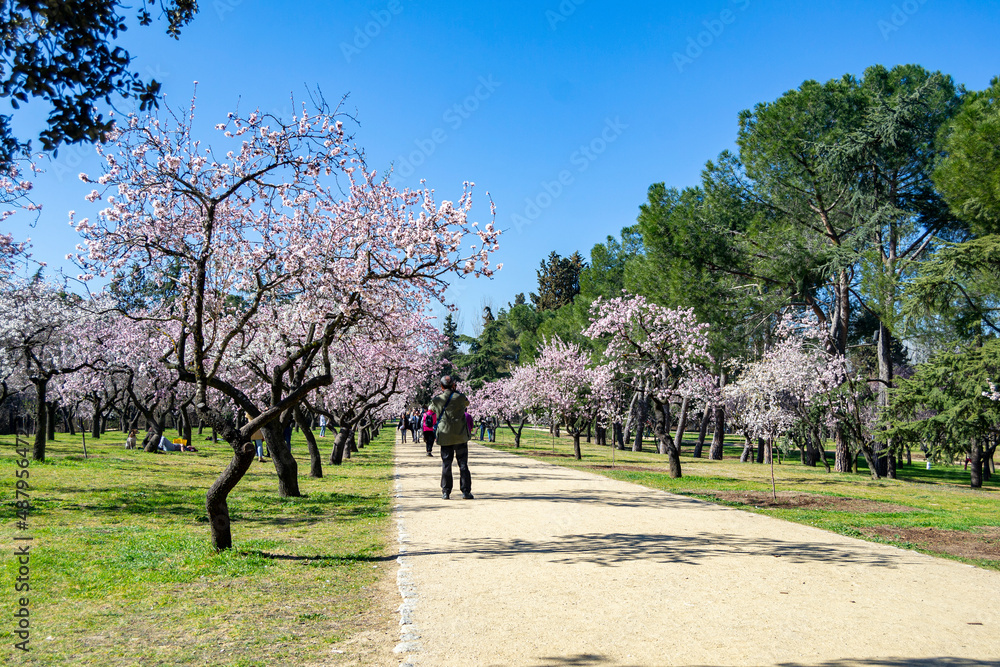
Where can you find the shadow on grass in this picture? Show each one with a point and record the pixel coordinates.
(318, 559)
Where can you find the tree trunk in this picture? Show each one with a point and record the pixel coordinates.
(284, 463)
(640, 422)
(627, 427)
(315, 459)
(718, 435)
(883, 456)
(661, 414)
(187, 434)
(976, 463)
(215, 500)
(95, 422)
(589, 427)
(760, 450)
(68, 420)
(706, 417)
(842, 457)
(340, 443)
(41, 415)
(576, 445)
(618, 436)
(50, 421)
(682, 419)
(747, 449)
(155, 432)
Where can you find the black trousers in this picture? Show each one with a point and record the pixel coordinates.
(460, 453)
(429, 440)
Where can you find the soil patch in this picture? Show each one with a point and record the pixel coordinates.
(984, 544)
(811, 501)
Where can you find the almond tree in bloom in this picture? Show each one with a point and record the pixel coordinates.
(662, 348)
(508, 400)
(778, 390)
(290, 215)
(370, 368)
(14, 192)
(46, 333)
(574, 390)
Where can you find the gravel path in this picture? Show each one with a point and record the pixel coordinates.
(551, 566)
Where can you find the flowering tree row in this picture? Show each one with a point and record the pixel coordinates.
(288, 277)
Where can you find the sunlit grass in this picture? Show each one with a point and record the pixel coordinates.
(123, 572)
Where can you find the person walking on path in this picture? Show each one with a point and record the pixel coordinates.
(429, 423)
(453, 437)
(404, 426)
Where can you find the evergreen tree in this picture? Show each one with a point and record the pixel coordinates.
(558, 281)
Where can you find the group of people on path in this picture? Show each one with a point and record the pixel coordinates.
(447, 422)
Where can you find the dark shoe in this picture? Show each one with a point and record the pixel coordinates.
(445, 496)
(429, 454)
(468, 496)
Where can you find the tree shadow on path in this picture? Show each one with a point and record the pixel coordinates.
(610, 549)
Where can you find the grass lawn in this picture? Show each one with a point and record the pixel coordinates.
(122, 570)
(933, 511)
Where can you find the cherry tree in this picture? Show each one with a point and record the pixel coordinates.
(664, 349)
(290, 214)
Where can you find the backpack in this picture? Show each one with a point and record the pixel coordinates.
(429, 421)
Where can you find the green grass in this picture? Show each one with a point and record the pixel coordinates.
(123, 573)
(938, 498)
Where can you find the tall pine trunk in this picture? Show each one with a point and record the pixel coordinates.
(976, 463)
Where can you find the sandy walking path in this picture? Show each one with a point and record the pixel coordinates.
(551, 566)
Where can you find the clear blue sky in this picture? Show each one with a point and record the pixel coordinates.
(534, 83)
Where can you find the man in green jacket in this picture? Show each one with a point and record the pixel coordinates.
(453, 437)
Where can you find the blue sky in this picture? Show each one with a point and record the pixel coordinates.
(565, 112)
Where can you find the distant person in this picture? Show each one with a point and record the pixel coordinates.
(167, 446)
(453, 433)
(322, 426)
(415, 425)
(288, 437)
(482, 428)
(258, 440)
(404, 426)
(429, 424)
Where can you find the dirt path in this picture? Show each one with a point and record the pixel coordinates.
(550, 566)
